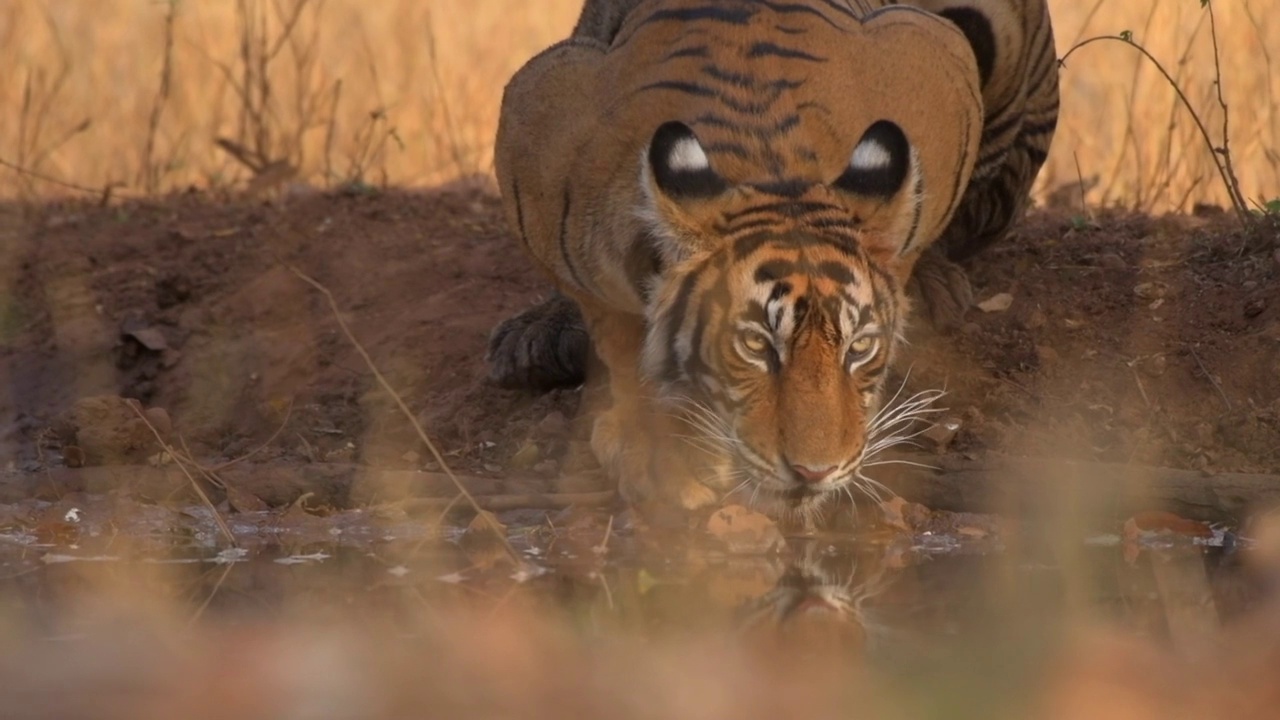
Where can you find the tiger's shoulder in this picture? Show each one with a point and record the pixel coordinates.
(778, 92)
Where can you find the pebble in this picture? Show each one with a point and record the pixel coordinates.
(526, 456)
(1150, 290)
(554, 425)
(1111, 261)
(1156, 366)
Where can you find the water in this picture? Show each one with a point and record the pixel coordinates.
(95, 577)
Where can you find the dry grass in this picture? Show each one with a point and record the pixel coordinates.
(407, 92)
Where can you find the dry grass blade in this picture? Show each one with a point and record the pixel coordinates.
(1221, 155)
(399, 401)
(177, 459)
(287, 414)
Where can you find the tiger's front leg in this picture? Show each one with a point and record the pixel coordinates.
(652, 448)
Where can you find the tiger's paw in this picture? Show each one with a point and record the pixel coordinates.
(945, 290)
(654, 467)
(540, 349)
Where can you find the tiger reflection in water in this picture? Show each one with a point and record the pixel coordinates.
(824, 600)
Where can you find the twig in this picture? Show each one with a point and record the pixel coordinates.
(1237, 197)
(217, 518)
(287, 414)
(1216, 385)
(151, 176)
(1237, 203)
(413, 420)
(104, 192)
(519, 501)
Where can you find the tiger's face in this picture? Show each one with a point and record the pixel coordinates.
(774, 337)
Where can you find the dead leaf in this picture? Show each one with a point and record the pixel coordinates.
(996, 303)
(487, 524)
(150, 338)
(1158, 521)
(744, 531)
(242, 500)
(891, 512)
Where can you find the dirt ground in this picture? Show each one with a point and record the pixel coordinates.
(1129, 338)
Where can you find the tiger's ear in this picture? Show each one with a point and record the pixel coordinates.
(879, 164)
(680, 167)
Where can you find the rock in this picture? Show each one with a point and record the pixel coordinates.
(107, 430)
(942, 433)
(745, 531)
(996, 303)
(1035, 320)
(526, 456)
(1151, 290)
(1111, 261)
(554, 426)
(1155, 366)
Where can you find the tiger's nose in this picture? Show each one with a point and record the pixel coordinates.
(811, 475)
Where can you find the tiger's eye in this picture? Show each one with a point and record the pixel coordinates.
(861, 349)
(755, 342)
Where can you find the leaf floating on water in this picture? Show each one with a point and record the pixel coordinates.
(745, 531)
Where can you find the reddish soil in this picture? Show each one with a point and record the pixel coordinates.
(1129, 338)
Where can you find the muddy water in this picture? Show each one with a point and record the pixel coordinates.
(899, 594)
(115, 608)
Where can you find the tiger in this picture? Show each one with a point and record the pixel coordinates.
(731, 198)
(546, 346)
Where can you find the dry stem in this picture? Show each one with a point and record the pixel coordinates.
(413, 420)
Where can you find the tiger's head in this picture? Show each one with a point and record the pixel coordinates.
(781, 304)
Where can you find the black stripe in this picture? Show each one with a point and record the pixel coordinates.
(515, 197)
(790, 209)
(957, 192)
(1047, 126)
(735, 79)
(840, 9)
(784, 188)
(915, 218)
(839, 272)
(719, 295)
(564, 243)
(726, 147)
(685, 87)
(749, 244)
(764, 101)
(697, 51)
(714, 13)
(793, 8)
(783, 125)
(768, 49)
(674, 318)
(774, 270)
(752, 224)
